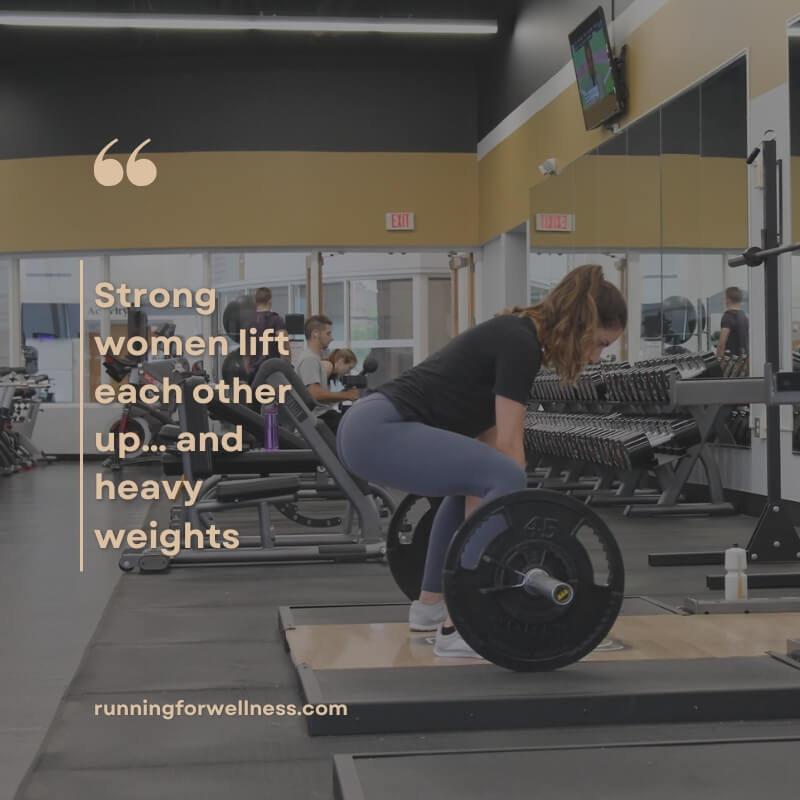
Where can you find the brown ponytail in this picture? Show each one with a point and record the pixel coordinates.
(341, 352)
(569, 316)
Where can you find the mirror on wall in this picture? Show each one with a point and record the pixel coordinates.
(661, 206)
(794, 139)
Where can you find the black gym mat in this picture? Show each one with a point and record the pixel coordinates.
(735, 770)
(292, 616)
(209, 635)
(598, 693)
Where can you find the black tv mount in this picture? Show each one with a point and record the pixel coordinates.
(618, 63)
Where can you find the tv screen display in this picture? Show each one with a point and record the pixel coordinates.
(598, 83)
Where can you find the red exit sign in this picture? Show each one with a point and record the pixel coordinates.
(555, 222)
(400, 221)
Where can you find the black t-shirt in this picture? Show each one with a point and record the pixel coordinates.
(454, 389)
(261, 321)
(739, 337)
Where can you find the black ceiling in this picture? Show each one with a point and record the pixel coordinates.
(37, 44)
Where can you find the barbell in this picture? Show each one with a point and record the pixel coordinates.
(542, 592)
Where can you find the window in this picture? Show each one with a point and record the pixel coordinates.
(50, 297)
(545, 270)
(333, 309)
(381, 325)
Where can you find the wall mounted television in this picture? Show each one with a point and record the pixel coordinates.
(598, 74)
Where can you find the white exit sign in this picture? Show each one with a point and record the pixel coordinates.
(400, 221)
(555, 222)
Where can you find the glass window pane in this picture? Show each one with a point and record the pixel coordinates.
(723, 101)
(545, 270)
(161, 270)
(650, 298)
(266, 269)
(280, 300)
(680, 124)
(380, 309)
(50, 296)
(225, 267)
(392, 361)
(299, 298)
(333, 308)
(644, 136)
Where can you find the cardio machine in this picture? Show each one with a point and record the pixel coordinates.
(145, 420)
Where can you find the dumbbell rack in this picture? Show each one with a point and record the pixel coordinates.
(21, 412)
(774, 539)
(648, 410)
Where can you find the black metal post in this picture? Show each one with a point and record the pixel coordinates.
(769, 240)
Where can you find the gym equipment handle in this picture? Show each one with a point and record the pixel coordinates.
(754, 257)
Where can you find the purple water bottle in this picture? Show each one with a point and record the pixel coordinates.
(270, 413)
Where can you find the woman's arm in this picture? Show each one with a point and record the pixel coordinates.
(506, 436)
(509, 429)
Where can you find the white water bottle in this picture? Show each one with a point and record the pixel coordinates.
(735, 575)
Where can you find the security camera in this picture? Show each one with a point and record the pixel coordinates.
(549, 167)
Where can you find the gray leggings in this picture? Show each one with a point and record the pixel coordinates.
(377, 444)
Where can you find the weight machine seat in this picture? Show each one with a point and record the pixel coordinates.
(236, 414)
(279, 365)
(273, 365)
(264, 462)
(169, 433)
(256, 489)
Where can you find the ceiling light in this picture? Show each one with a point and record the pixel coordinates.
(188, 22)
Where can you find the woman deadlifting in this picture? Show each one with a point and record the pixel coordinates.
(452, 426)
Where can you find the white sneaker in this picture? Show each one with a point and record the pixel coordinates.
(452, 646)
(426, 616)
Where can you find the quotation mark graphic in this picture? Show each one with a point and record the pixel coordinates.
(108, 172)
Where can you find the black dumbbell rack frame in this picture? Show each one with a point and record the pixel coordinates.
(671, 474)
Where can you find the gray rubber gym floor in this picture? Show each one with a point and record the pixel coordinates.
(210, 635)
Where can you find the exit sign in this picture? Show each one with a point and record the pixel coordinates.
(555, 222)
(400, 221)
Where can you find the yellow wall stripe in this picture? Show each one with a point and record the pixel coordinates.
(241, 199)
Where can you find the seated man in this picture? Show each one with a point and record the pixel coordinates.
(312, 372)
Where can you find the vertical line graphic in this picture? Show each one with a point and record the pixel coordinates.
(80, 407)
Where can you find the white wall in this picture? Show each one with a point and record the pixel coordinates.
(501, 275)
(489, 280)
(57, 427)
